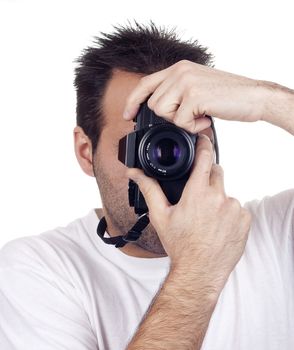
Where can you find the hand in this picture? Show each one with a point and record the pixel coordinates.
(206, 231)
(185, 92)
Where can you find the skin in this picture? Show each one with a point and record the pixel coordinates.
(111, 174)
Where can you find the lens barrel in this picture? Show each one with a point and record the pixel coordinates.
(166, 151)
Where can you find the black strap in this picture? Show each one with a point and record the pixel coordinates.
(216, 148)
(133, 234)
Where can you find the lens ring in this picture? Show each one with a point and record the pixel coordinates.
(151, 165)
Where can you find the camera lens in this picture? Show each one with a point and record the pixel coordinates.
(167, 152)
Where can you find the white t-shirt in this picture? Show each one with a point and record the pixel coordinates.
(66, 289)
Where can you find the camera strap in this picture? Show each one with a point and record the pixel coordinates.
(133, 234)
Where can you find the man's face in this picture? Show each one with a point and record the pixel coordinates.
(110, 173)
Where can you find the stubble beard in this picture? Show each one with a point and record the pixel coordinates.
(116, 208)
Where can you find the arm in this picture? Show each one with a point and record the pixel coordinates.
(204, 239)
(279, 106)
(192, 90)
(179, 315)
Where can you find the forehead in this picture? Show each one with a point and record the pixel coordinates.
(117, 90)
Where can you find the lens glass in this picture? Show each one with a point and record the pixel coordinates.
(167, 152)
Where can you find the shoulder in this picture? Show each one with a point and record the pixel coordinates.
(49, 263)
(274, 214)
(39, 290)
(57, 252)
(276, 206)
(19, 252)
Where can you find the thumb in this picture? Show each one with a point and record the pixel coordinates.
(155, 198)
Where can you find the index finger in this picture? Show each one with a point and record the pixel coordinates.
(146, 86)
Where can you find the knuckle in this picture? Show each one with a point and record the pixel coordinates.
(183, 80)
(184, 62)
(218, 169)
(158, 110)
(205, 153)
(234, 203)
(247, 216)
(218, 198)
(150, 103)
(182, 66)
(192, 92)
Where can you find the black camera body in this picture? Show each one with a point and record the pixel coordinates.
(164, 152)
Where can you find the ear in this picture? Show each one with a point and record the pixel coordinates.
(83, 150)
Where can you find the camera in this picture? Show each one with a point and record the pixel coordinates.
(164, 152)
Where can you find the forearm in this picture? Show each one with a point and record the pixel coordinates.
(278, 106)
(178, 317)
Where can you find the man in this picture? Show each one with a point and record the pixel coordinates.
(206, 273)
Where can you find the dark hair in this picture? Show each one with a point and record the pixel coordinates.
(141, 49)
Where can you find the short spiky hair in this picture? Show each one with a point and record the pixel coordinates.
(141, 49)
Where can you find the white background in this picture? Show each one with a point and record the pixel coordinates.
(41, 183)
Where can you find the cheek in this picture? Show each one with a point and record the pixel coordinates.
(112, 167)
(118, 170)
(119, 182)
(107, 157)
